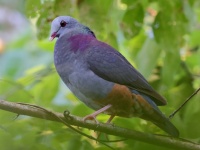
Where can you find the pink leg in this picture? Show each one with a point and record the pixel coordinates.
(110, 119)
(93, 115)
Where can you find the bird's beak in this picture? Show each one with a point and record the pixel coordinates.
(53, 35)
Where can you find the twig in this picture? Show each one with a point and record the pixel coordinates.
(187, 100)
(164, 141)
(64, 122)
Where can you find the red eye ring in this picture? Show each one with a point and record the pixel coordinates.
(63, 23)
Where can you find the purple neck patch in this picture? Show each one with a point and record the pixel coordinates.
(80, 42)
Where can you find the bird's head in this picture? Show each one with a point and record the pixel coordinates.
(60, 25)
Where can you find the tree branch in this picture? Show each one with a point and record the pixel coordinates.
(39, 112)
(185, 102)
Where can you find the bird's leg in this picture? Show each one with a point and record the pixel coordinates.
(93, 115)
(108, 122)
(110, 119)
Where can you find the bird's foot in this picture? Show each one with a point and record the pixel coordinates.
(91, 117)
(94, 115)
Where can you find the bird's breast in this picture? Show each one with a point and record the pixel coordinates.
(85, 85)
(88, 87)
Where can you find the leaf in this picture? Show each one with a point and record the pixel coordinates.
(13, 91)
(46, 45)
(172, 64)
(45, 90)
(132, 21)
(43, 27)
(74, 143)
(192, 111)
(44, 19)
(32, 8)
(147, 57)
(194, 38)
(134, 45)
(81, 110)
(112, 40)
(86, 145)
(169, 28)
(145, 146)
(63, 8)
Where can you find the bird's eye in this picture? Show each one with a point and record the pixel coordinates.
(63, 23)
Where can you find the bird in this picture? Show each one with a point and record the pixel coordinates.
(102, 78)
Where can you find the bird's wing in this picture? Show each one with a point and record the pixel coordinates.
(110, 65)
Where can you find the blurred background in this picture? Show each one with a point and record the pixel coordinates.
(160, 38)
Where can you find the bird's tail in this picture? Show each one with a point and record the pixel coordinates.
(167, 126)
(153, 114)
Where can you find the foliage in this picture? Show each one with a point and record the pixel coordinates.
(160, 38)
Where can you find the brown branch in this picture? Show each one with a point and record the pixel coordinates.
(38, 112)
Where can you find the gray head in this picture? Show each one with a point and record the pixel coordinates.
(60, 24)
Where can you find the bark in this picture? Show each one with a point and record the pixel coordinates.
(70, 121)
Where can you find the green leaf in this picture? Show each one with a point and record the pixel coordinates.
(172, 64)
(169, 28)
(46, 89)
(135, 44)
(81, 110)
(44, 19)
(191, 122)
(43, 26)
(74, 143)
(86, 145)
(64, 8)
(46, 45)
(132, 21)
(14, 91)
(32, 8)
(147, 57)
(194, 38)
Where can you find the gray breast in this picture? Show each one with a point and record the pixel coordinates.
(84, 83)
(88, 87)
